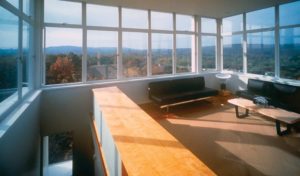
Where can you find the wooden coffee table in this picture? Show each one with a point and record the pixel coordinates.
(279, 115)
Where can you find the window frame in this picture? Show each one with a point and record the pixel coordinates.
(11, 102)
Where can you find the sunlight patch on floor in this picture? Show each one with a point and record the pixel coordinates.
(248, 154)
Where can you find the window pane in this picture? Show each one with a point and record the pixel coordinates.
(260, 19)
(26, 52)
(56, 12)
(8, 53)
(27, 7)
(184, 52)
(132, 18)
(232, 24)
(208, 25)
(134, 57)
(208, 52)
(163, 21)
(162, 47)
(102, 55)
(290, 53)
(260, 53)
(233, 53)
(63, 55)
(98, 15)
(185, 23)
(14, 3)
(289, 13)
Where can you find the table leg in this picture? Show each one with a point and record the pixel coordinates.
(284, 132)
(238, 115)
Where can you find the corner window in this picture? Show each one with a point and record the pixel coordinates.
(233, 53)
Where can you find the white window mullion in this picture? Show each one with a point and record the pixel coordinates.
(244, 45)
(219, 49)
(199, 45)
(149, 55)
(120, 53)
(20, 55)
(174, 45)
(277, 43)
(84, 44)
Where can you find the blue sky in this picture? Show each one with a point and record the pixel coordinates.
(56, 12)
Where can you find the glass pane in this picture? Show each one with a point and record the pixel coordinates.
(185, 23)
(233, 53)
(208, 25)
(98, 15)
(27, 7)
(259, 19)
(63, 55)
(232, 24)
(162, 47)
(132, 18)
(184, 52)
(289, 14)
(8, 53)
(163, 21)
(208, 52)
(57, 11)
(290, 53)
(134, 57)
(102, 55)
(14, 3)
(260, 53)
(26, 52)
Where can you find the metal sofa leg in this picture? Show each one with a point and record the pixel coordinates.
(284, 132)
(238, 115)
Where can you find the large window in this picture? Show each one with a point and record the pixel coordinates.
(185, 23)
(16, 48)
(233, 53)
(102, 54)
(98, 15)
(261, 53)
(184, 53)
(289, 14)
(290, 53)
(8, 53)
(55, 12)
(208, 52)
(162, 21)
(290, 40)
(132, 18)
(232, 24)
(63, 55)
(162, 47)
(260, 19)
(135, 46)
(208, 43)
(114, 42)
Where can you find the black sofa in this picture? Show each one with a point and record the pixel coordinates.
(170, 92)
(278, 95)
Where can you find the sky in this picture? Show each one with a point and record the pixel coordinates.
(55, 12)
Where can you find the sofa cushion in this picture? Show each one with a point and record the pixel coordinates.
(259, 87)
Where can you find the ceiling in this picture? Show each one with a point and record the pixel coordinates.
(206, 8)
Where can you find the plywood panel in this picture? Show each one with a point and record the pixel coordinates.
(144, 146)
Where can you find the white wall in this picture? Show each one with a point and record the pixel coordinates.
(67, 109)
(20, 140)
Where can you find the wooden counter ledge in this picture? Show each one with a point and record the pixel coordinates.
(144, 147)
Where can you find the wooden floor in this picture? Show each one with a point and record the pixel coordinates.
(228, 145)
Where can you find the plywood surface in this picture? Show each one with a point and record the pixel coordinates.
(145, 147)
(275, 113)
